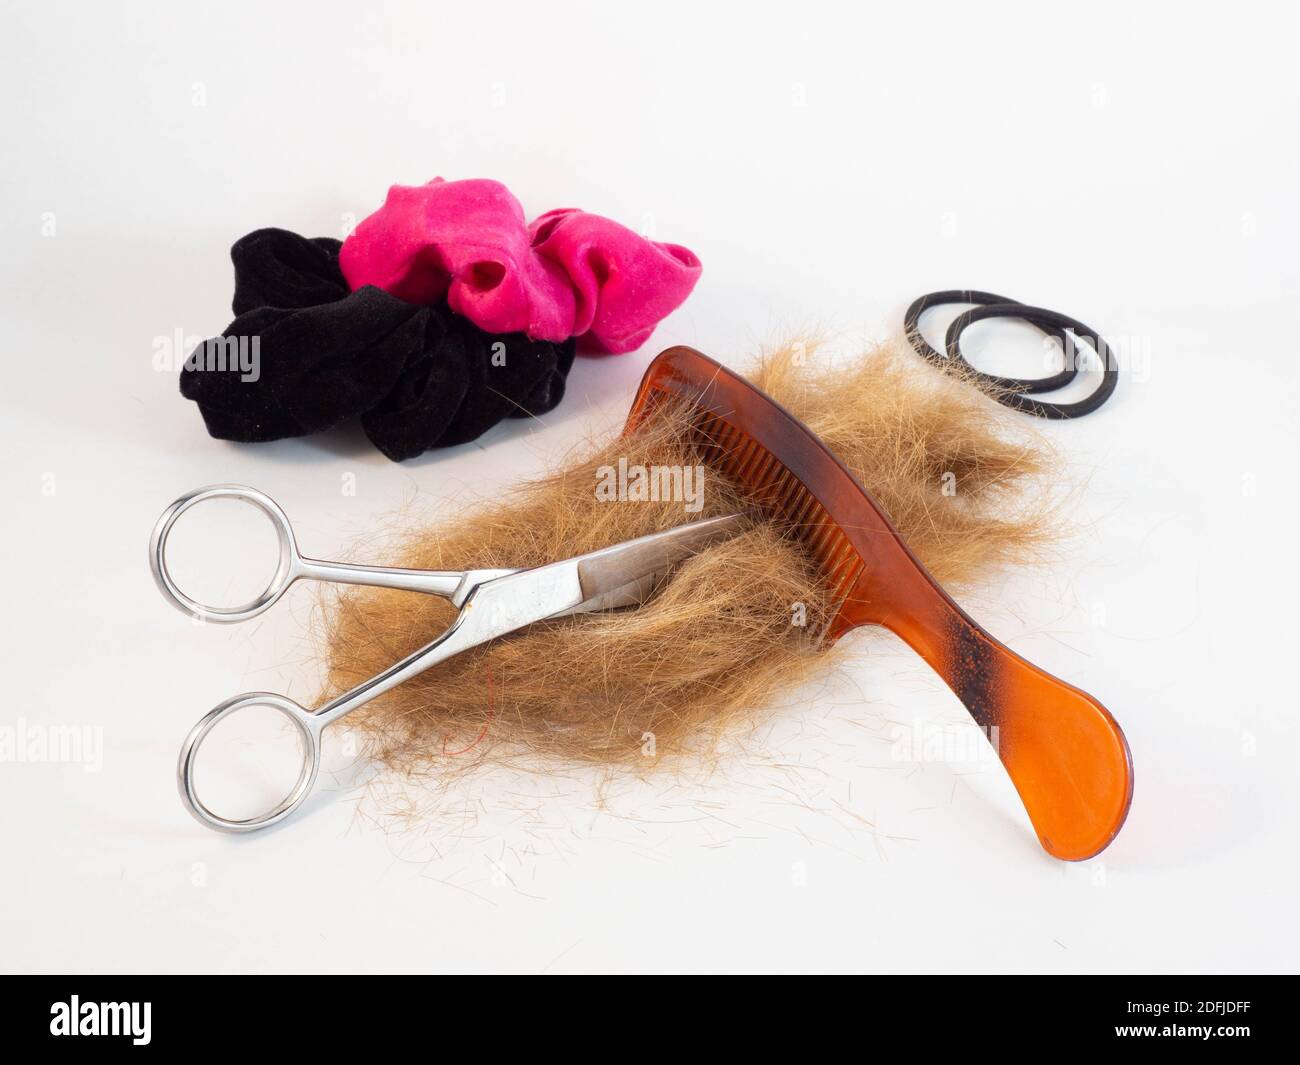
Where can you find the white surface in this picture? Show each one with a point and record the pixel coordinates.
(1133, 167)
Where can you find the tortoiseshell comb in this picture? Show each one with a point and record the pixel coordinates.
(1064, 752)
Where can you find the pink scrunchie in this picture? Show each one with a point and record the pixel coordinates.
(568, 274)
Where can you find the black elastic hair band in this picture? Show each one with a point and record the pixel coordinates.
(1016, 392)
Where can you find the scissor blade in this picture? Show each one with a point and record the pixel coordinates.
(623, 575)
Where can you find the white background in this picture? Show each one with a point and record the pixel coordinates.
(1134, 166)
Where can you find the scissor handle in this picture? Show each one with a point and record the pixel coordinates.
(309, 728)
(288, 569)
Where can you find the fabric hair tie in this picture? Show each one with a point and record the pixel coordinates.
(569, 274)
(418, 377)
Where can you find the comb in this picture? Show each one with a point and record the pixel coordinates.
(1065, 753)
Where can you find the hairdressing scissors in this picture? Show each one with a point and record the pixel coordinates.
(492, 603)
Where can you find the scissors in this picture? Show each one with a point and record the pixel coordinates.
(492, 603)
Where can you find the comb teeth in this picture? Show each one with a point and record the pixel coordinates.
(778, 492)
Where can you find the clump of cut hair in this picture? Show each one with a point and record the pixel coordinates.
(717, 643)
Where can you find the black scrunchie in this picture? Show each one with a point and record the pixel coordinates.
(418, 377)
